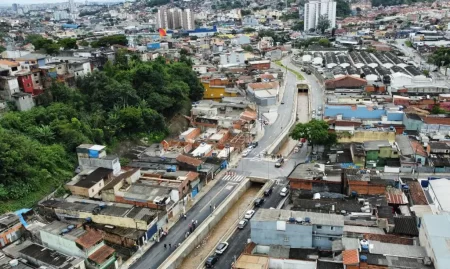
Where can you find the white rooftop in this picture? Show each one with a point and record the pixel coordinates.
(440, 188)
(438, 234)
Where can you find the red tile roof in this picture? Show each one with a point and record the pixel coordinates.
(436, 120)
(390, 238)
(102, 254)
(350, 256)
(89, 239)
(396, 197)
(417, 194)
(189, 160)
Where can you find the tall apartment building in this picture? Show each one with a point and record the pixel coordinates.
(316, 8)
(176, 18)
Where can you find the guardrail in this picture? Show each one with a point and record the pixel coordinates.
(233, 228)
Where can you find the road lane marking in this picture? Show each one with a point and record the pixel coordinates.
(207, 205)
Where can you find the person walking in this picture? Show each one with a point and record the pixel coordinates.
(165, 246)
(196, 222)
(170, 246)
(185, 217)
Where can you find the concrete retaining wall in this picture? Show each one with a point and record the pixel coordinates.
(176, 258)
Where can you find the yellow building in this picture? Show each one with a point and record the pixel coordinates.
(214, 90)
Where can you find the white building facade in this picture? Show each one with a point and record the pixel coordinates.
(316, 8)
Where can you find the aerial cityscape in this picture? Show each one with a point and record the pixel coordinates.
(243, 134)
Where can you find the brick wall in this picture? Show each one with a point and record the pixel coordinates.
(363, 187)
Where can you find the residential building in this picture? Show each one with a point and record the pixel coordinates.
(121, 215)
(233, 58)
(217, 88)
(42, 257)
(175, 18)
(314, 9)
(264, 93)
(379, 152)
(434, 236)
(78, 242)
(90, 182)
(313, 177)
(296, 229)
(10, 229)
(437, 192)
(94, 156)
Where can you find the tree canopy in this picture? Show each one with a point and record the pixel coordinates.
(342, 8)
(110, 40)
(128, 100)
(68, 43)
(440, 57)
(323, 24)
(315, 131)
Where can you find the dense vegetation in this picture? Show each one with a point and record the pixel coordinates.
(110, 40)
(342, 8)
(129, 100)
(315, 131)
(440, 57)
(50, 46)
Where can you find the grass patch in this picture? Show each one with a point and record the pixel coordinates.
(299, 76)
(408, 43)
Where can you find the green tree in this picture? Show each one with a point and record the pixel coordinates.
(68, 43)
(342, 8)
(315, 131)
(245, 12)
(298, 26)
(110, 40)
(247, 48)
(52, 48)
(44, 133)
(324, 42)
(84, 43)
(248, 30)
(323, 24)
(437, 110)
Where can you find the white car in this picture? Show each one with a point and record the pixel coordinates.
(245, 153)
(249, 214)
(220, 249)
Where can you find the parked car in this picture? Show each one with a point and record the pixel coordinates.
(259, 202)
(245, 152)
(320, 108)
(242, 224)
(279, 163)
(284, 191)
(254, 144)
(308, 72)
(268, 192)
(249, 214)
(313, 111)
(220, 249)
(319, 114)
(209, 263)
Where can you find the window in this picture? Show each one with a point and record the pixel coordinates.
(92, 190)
(35, 75)
(319, 227)
(332, 228)
(14, 68)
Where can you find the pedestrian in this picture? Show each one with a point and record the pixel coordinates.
(192, 221)
(210, 207)
(185, 216)
(190, 229)
(165, 246)
(214, 208)
(179, 244)
(170, 246)
(196, 222)
(167, 220)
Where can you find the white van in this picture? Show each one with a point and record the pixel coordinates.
(284, 192)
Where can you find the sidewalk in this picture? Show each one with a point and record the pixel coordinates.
(174, 220)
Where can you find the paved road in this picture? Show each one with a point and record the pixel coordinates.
(200, 211)
(239, 238)
(317, 91)
(273, 131)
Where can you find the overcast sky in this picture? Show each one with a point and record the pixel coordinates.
(27, 2)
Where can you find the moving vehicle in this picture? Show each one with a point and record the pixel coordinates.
(284, 192)
(246, 152)
(242, 224)
(220, 249)
(268, 192)
(259, 202)
(279, 163)
(254, 144)
(209, 263)
(249, 214)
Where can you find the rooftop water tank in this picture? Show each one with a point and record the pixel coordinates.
(363, 258)
(307, 219)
